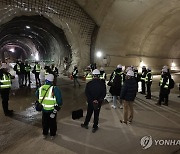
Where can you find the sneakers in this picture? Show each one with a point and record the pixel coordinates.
(121, 107)
(84, 126)
(113, 106)
(94, 130)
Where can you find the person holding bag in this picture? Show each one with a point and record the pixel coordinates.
(95, 93)
(50, 98)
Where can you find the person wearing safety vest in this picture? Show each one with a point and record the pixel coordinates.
(102, 74)
(27, 73)
(37, 69)
(148, 81)
(5, 86)
(143, 78)
(75, 76)
(50, 97)
(164, 88)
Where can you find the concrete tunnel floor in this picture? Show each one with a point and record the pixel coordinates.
(22, 133)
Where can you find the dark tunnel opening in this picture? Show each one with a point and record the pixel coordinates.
(32, 38)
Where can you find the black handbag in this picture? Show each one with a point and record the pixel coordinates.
(38, 105)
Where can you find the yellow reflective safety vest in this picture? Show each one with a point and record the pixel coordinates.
(27, 68)
(37, 68)
(146, 79)
(6, 81)
(49, 100)
(167, 83)
(18, 67)
(102, 76)
(89, 76)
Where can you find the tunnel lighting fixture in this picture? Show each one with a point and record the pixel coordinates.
(36, 56)
(99, 54)
(12, 50)
(142, 64)
(28, 27)
(173, 64)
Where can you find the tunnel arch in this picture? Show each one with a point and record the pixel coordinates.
(77, 25)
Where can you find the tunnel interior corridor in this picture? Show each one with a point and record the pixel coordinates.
(33, 38)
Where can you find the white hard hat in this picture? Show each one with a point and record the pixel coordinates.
(4, 65)
(166, 67)
(128, 68)
(101, 69)
(149, 68)
(96, 72)
(130, 73)
(49, 77)
(119, 66)
(164, 70)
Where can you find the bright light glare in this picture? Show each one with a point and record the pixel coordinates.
(173, 64)
(12, 50)
(37, 56)
(28, 27)
(99, 54)
(142, 64)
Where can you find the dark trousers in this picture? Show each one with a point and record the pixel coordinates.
(148, 89)
(163, 96)
(143, 86)
(76, 81)
(37, 78)
(5, 98)
(27, 77)
(21, 79)
(49, 123)
(90, 110)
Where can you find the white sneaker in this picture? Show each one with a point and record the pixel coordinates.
(114, 107)
(121, 107)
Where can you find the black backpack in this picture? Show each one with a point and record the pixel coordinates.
(171, 83)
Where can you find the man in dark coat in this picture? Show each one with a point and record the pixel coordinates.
(95, 93)
(128, 94)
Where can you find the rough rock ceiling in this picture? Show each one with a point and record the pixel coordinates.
(148, 28)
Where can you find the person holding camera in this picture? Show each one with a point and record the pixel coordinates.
(50, 98)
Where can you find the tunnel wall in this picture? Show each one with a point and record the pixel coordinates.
(65, 14)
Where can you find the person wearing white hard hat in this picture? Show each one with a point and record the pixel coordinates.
(5, 86)
(116, 81)
(128, 94)
(50, 98)
(143, 78)
(95, 92)
(148, 81)
(164, 87)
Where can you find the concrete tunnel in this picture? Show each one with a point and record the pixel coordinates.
(128, 32)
